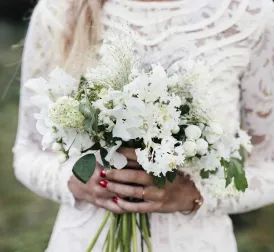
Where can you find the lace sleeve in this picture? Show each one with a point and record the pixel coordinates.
(38, 170)
(257, 86)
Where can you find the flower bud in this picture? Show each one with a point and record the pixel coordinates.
(190, 148)
(62, 157)
(193, 132)
(175, 130)
(202, 146)
(56, 146)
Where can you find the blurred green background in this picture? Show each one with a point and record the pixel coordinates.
(25, 219)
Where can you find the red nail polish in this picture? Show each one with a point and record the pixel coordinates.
(103, 174)
(115, 200)
(103, 183)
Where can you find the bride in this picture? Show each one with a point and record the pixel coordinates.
(234, 36)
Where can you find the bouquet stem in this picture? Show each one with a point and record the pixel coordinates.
(122, 233)
(134, 233)
(103, 224)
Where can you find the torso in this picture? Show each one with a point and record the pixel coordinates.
(223, 33)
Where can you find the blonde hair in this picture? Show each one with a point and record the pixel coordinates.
(81, 33)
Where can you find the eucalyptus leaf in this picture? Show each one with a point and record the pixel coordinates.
(84, 167)
(103, 153)
(171, 176)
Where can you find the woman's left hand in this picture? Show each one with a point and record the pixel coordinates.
(178, 196)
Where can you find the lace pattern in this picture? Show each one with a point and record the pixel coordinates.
(236, 38)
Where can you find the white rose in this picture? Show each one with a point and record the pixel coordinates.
(190, 148)
(193, 132)
(202, 146)
(56, 146)
(62, 157)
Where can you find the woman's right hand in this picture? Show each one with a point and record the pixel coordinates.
(94, 192)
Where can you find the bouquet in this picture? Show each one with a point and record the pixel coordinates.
(167, 117)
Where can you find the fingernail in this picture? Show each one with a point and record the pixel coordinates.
(103, 174)
(103, 183)
(115, 200)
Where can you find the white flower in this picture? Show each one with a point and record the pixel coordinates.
(213, 132)
(56, 146)
(245, 140)
(193, 132)
(116, 159)
(190, 148)
(62, 157)
(216, 128)
(202, 146)
(65, 112)
(176, 129)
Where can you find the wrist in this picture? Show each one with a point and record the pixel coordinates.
(194, 200)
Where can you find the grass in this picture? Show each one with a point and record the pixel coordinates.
(26, 220)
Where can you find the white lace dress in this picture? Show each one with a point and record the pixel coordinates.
(236, 38)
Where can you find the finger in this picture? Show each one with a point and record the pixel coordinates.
(144, 207)
(126, 190)
(149, 193)
(97, 172)
(129, 176)
(113, 207)
(133, 164)
(129, 153)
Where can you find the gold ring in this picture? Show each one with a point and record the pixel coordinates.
(144, 192)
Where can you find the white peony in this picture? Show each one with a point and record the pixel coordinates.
(193, 132)
(190, 148)
(202, 146)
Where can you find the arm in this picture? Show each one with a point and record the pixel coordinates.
(38, 170)
(257, 87)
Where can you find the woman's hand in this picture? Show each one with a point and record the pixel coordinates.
(94, 191)
(177, 196)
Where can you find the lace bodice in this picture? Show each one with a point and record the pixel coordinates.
(235, 37)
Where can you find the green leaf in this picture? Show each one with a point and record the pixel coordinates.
(160, 181)
(234, 169)
(88, 125)
(171, 176)
(103, 153)
(85, 167)
(205, 174)
(86, 109)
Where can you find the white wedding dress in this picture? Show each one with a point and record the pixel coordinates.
(236, 37)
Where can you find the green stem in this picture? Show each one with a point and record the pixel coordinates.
(141, 227)
(125, 232)
(145, 225)
(134, 233)
(103, 224)
(112, 234)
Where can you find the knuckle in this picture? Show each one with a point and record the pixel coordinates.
(161, 194)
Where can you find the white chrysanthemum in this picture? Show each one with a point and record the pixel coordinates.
(65, 112)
